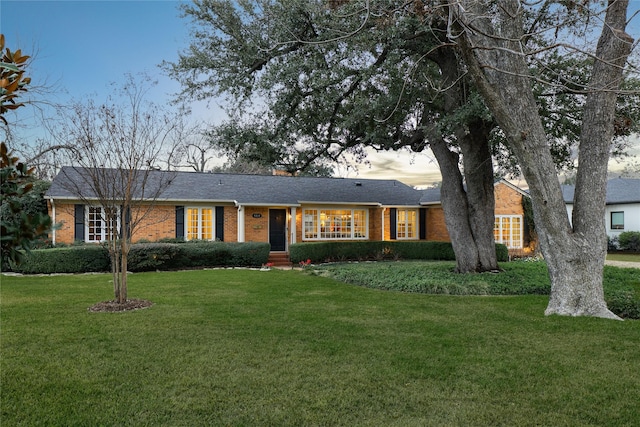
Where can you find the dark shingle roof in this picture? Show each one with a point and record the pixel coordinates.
(255, 189)
(430, 196)
(619, 190)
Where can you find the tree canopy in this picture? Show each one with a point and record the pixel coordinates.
(329, 78)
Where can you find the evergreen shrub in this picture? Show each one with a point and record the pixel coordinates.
(629, 241)
(145, 257)
(71, 259)
(319, 252)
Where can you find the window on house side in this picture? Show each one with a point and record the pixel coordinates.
(508, 230)
(101, 223)
(407, 225)
(199, 223)
(617, 220)
(334, 224)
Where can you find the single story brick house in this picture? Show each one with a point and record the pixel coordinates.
(622, 211)
(277, 209)
(510, 229)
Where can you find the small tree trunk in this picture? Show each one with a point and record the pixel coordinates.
(124, 255)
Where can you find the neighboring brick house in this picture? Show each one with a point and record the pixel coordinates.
(280, 210)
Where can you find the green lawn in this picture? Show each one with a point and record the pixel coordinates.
(238, 347)
(624, 257)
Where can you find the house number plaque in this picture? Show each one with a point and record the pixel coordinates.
(257, 215)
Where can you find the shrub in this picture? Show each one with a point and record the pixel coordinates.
(629, 241)
(174, 256)
(72, 259)
(154, 256)
(145, 257)
(624, 303)
(376, 250)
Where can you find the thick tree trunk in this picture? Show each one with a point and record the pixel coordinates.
(478, 174)
(494, 55)
(456, 209)
(469, 212)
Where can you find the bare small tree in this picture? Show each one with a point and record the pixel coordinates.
(116, 147)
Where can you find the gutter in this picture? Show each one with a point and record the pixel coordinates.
(378, 204)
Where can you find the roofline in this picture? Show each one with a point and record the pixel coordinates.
(291, 205)
(512, 186)
(162, 200)
(341, 203)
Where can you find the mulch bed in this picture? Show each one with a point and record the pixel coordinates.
(116, 307)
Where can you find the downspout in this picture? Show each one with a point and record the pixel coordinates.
(293, 224)
(382, 222)
(240, 221)
(53, 221)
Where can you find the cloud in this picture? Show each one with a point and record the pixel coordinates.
(415, 169)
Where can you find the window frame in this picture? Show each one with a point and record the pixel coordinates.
(402, 227)
(103, 229)
(619, 226)
(312, 223)
(199, 223)
(498, 233)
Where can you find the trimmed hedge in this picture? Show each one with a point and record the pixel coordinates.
(359, 251)
(145, 257)
(71, 259)
(174, 256)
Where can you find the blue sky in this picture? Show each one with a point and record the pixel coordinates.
(83, 46)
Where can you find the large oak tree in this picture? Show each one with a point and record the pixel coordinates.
(499, 47)
(318, 80)
(403, 73)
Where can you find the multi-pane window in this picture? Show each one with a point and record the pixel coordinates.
(101, 223)
(617, 220)
(199, 223)
(508, 230)
(407, 224)
(334, 224)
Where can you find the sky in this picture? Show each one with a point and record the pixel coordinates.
(83, 46)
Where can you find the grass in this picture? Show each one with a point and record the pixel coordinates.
(241, 347)
(623, 257)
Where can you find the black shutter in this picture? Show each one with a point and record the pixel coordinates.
(220, 223)
(179, 222)
(393, 223)
(78, 219)
(423, 224)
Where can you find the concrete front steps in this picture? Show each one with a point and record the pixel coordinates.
(279, 259)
